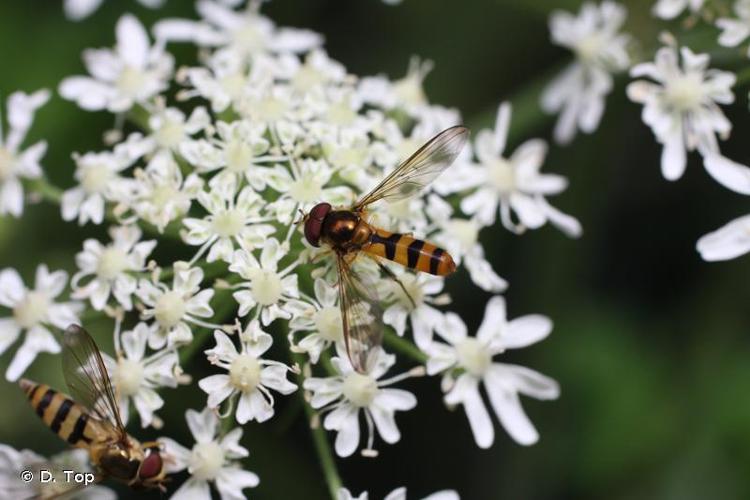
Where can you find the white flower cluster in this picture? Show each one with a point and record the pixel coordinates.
(681, 97)
(226, 155)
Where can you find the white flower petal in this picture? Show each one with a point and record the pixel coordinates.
(728, 242)
(728, 173)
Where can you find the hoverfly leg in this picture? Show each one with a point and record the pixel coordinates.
(302, 217)
(393, 276)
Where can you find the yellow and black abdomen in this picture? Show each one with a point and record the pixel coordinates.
(410, 252)
(62, 415)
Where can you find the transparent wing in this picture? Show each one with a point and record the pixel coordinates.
(87, 377)
(361, 316)
(420, 169)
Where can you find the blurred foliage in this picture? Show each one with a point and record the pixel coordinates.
(650, 346)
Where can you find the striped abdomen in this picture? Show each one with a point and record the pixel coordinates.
(62, 415)
(410, 252)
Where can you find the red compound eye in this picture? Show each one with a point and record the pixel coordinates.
(314, 223)
(151, 465)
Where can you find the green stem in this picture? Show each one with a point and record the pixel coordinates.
(403, 346)
(743, 77)
(48, 191)
(320, 440)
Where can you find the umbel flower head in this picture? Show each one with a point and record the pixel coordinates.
(348, 392)
(33, 312)
(226, 153)
(682, 105)
(15, 163)
(211, 460)
(579, 92)
(503, 382)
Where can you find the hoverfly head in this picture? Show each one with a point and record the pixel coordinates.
(314, 222)
(152, 473)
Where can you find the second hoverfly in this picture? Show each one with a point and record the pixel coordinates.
(91, 418)
(347, 234)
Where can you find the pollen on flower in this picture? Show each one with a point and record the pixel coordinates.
(328, 323)
(112, 262)
(163, 195)
(170, 134)
(239, 155)
(685, 92)
(267, 288)
(131, 81)
(589, 48)
(206, 461)
(306, 189)
(473, 356)
(244, 373)
(502, 175)
(229, 223)
(128, 376)
(170, 308)
(32, 310)
(94, 177)
(359, 389)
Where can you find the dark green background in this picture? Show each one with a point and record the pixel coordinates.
(650, 346)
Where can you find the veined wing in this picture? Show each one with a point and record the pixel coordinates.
(420, 169)
(87, 377)
(361, 316)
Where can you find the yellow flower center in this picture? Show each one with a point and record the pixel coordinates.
(328, 323)
(94, 178)
(502, 175)
(239, 155)
(360, 389)
(169, 309)
(306, 189)
(112, 262)
(229, 223)
(206, 460)
(266, 288)
(473, 356)
(684, 92)
(128, 377)
(32, 310)
(170, 134)
(244, 373)
(131, 80)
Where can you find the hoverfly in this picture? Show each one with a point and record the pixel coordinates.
(347, 234)
(91, 418)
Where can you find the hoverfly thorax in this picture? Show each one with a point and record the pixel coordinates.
(118, 463)
(345, 229)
